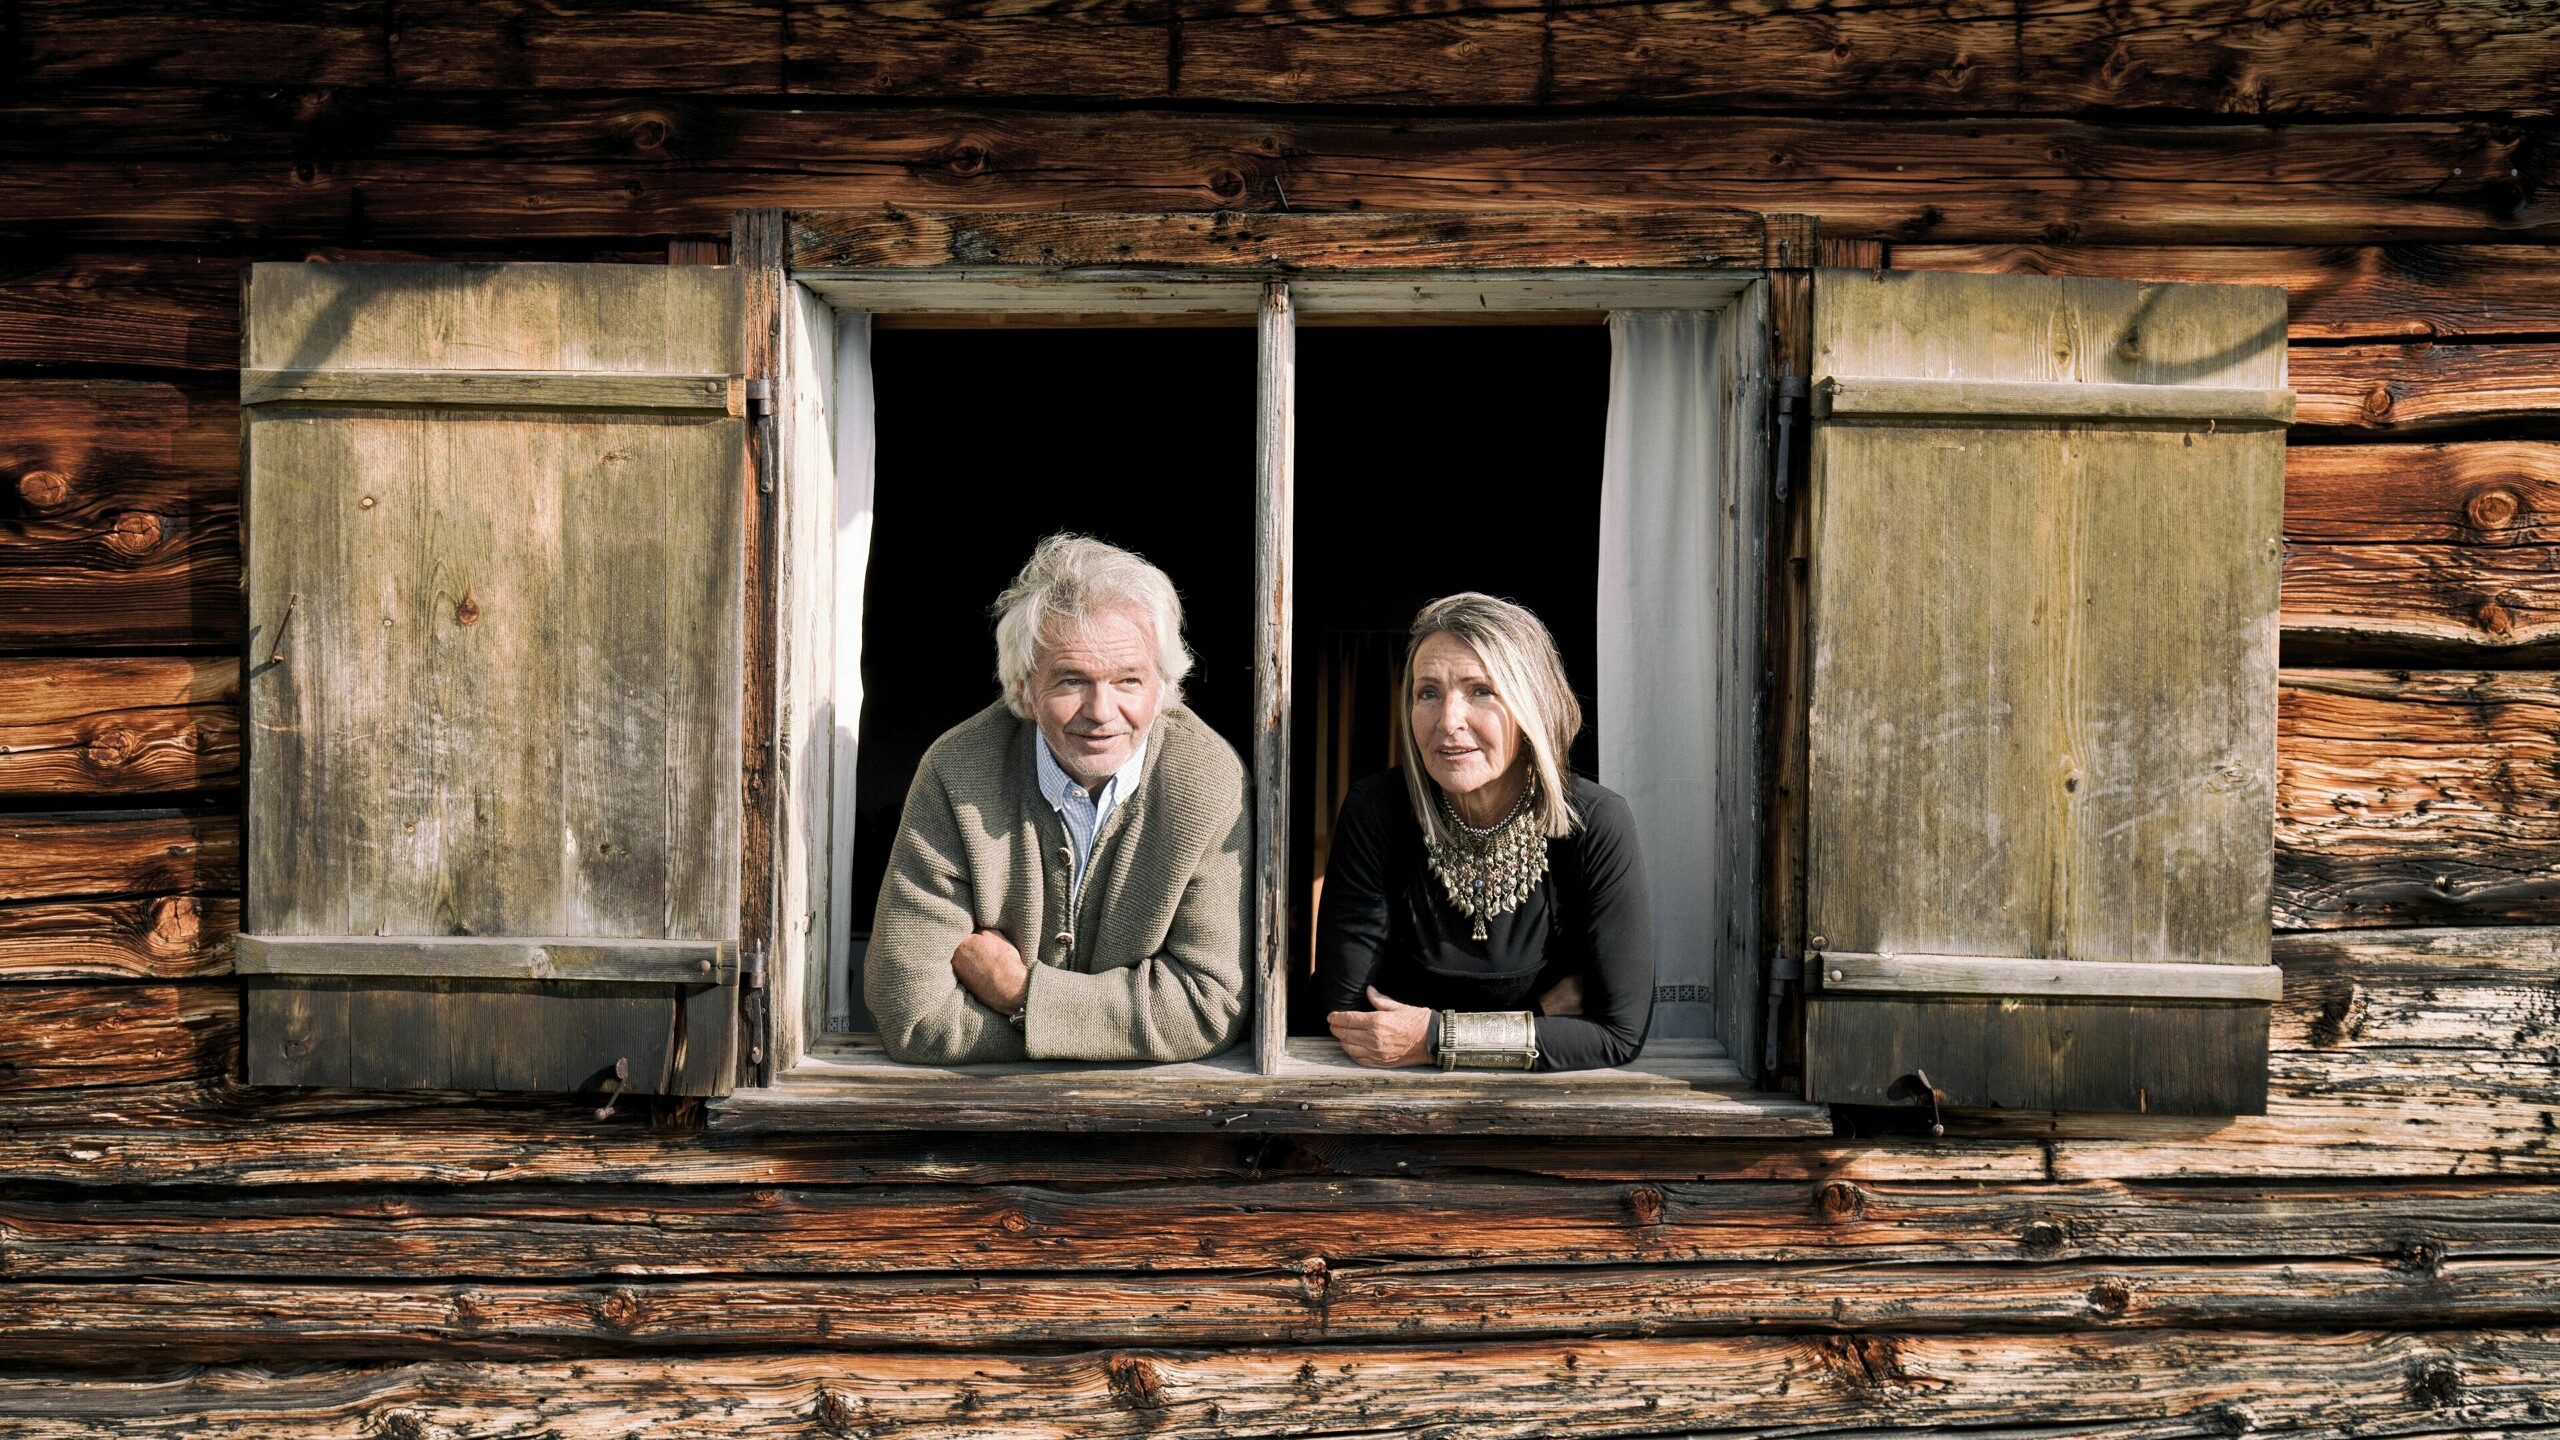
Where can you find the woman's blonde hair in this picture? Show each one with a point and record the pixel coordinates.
(1069, 581)
(1528, 678)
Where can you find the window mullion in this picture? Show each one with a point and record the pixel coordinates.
(1274, 473)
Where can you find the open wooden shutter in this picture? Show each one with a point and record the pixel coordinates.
(495, 519)
(2046, 518)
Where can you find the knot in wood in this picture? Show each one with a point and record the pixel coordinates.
(2434, 1382)
(2493, 509)
(136, 533)
(1227, 183)
(44, 489)
(112, 747)
(2111, 1296)
(834, 1414)
(1840, 1200)
(1013, 1222)
(2042, 1239)
(1863, 1364)
(405, 1425)
(621, 1310)
(175, 926)
(1134, 1382)
(466, 611)
(2420, 1257)
(1645, 1203)
(2377, 402)
(2494, 618)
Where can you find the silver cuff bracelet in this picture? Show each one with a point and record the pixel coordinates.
(1489, 1039)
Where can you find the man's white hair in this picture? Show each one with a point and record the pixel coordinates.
(1068, 581)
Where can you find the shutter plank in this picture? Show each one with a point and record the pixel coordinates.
(2042, 720)
(502, 505)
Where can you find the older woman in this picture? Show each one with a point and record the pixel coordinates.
(1485, 907)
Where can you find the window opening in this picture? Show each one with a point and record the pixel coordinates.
(1431, 459)
(988, 440)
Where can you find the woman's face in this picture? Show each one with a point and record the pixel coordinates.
(1466, 734)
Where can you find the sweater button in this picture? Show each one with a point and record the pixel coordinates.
(1066, 939)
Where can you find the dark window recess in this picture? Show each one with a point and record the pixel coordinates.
(992, 439)
(1430, 460)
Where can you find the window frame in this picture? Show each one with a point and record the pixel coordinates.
(1391, 268)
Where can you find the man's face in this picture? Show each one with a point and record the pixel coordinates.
(1094, 692)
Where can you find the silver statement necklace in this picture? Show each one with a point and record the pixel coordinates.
(1491, 871)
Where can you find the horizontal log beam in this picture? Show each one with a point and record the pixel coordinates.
(2416, 797)
(2346, 292)
(584, 1232)
(2152, 1383)
(57, 857)
(2496, 493)
(79, 1036)
(123, 511)
(379, 169)
(217, 1322)
(2166, 54)
(2416, 388)
(143, 726)
(160, 937)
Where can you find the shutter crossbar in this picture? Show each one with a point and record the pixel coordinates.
(497, 390)
(2045, 979)
(478, 957)
(1855, 397)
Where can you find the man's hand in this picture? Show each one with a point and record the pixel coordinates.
(1389, 1036)
(991, 969)
(1562, 998)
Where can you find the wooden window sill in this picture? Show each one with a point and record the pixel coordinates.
(1678, 1088)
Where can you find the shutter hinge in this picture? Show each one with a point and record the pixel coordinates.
(1784, 970)
(751, 968)
(1787, 399)
(759, 397)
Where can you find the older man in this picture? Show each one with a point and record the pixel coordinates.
(1068, 878)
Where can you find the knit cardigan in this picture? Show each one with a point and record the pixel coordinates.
(1152, 966)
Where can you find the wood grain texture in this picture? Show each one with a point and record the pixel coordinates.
(160, 311)
(2008, 804)
(2421, 387)
(2114, 1386)
(1964, 55)
(217, 1322)
(119, 515)
(73, 1037)
(2417, 797)
(164, 937)
(376, 170)
(1297, 1226)
(82, 856)
(2345, 292)
(1671, 239)
(141, 726)
(492, 711)
(1275, 602)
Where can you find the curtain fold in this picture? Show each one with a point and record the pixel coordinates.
(1663, 554)
(855, 459)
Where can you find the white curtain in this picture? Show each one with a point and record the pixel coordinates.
(855, 458)
(1663, 557)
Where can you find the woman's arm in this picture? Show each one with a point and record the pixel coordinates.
(1617, 989)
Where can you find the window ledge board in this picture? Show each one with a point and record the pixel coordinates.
(1676, 1089)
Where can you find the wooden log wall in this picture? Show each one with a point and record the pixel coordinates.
(2379, 1254)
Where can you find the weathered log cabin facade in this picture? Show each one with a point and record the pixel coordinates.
(2379, 1253)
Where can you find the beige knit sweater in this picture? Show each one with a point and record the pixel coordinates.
(1153, 966)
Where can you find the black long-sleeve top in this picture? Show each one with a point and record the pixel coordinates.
(1386, 921)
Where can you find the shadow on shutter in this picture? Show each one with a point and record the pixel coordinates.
(494, 675)
(2042, 728)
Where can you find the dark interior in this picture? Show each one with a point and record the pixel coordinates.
(992, 439)
(1431, 459)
